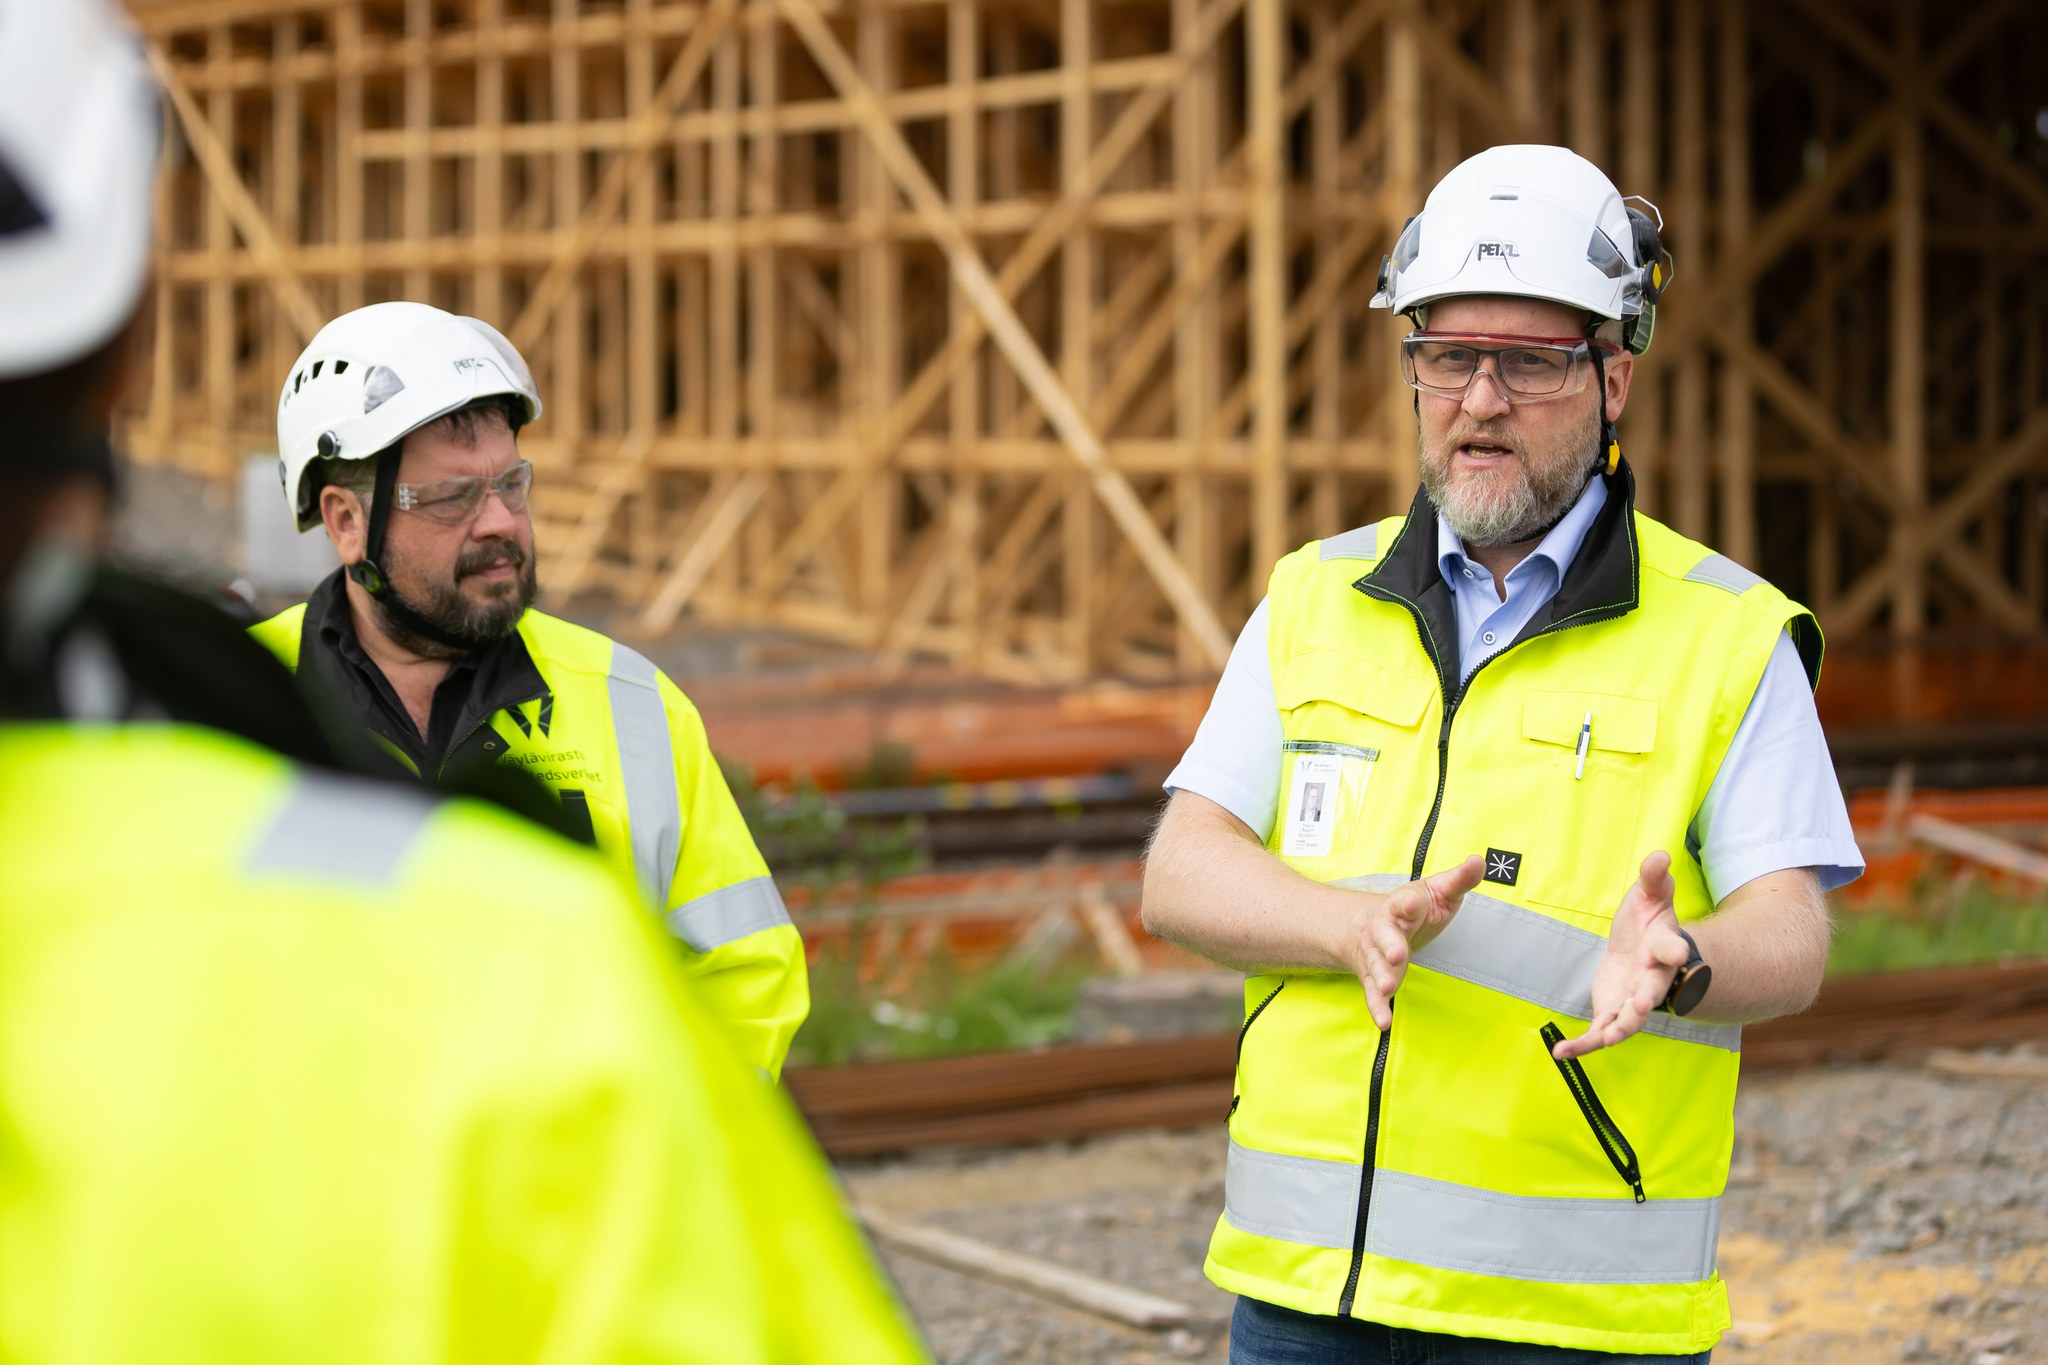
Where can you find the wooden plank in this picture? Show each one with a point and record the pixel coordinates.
(1735, 452)
(1907, 370)
(1041, 1278)
(1978, 847)
(1265, 43)
(1987, 1066)
(1105, 924)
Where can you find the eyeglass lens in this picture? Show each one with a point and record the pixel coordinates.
(456, 500)
(1528, 369)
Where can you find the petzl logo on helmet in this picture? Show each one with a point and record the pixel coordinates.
(1498, 249)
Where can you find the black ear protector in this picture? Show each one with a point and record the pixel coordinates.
(1653, 277)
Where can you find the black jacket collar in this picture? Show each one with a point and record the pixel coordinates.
(110, 644)
(477, 687)
(1603, 580)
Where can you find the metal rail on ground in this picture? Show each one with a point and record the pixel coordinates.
(1072, 1092)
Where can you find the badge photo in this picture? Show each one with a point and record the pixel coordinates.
(1324, 785)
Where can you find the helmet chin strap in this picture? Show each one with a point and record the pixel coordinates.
(365, 571)
(402, 619)
(1609, 458)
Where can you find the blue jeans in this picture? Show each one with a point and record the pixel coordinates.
(1265, 1334)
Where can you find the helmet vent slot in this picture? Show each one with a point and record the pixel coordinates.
(316, 368)
(341, 367)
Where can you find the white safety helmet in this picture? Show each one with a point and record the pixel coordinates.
(80, 129)
(371, 376)
(1532, 222)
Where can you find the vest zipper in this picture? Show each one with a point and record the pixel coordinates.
(1365, 1173)
(1379, 1065)
(1619, 1154)
(1453, 699)
(1245, 1028)
(1443, 772)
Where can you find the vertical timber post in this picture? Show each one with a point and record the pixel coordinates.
(1908, 357)
(1265, 40)
(1737, 464)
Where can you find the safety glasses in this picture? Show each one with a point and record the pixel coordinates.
(1526, 369)
(453, 502)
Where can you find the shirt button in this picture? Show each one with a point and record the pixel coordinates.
(1487, 638)
(1468, 573)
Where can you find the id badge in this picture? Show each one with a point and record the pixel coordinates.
(1325, 784)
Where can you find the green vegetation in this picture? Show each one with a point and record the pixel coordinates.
(941, 1009)
(1951, 926)
(933, 1007)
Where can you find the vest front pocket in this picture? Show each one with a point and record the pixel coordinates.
(1341, 715)
(1595, 750)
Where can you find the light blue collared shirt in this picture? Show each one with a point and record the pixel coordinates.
(1773, 805)
(1486, 623)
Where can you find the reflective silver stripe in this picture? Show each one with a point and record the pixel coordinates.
(1359, 543)
(647, 768)
(719, 917)
(1534, 958)
(1568, 1241)
(1723, 572)
(1459, 1227)
(342, 830)
(1293, 1198)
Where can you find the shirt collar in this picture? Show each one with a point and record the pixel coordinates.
(1558, 548)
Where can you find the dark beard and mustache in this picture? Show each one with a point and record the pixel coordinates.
(444, 623)
(1488, 516)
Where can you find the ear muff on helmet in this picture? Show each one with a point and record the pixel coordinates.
(1653, 276)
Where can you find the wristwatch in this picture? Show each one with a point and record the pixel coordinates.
(1691, 982)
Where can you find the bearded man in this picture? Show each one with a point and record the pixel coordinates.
(398, 432)
(1578, 819)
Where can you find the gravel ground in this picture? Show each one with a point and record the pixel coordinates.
(1875, 1213)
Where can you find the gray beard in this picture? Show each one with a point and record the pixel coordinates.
(1529, 509)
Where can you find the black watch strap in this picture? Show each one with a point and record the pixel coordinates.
(1690, 983)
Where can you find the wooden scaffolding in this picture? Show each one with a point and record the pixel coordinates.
(1028, 333)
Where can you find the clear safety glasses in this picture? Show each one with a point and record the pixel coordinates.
(1525, 369)
(453, 502)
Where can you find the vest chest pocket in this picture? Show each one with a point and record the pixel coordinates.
(1595, 751)
(1344, 717)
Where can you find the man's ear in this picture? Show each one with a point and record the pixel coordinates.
(347, 524)
(1620, 370)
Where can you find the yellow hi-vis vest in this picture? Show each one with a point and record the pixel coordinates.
(619, 739)
(302, 1068)
(1449, 1175)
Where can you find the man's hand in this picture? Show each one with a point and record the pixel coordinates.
(1644, 952)
(1385, 930)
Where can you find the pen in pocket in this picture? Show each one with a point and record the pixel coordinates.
(1585, 739)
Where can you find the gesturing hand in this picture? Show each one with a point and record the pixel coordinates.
(1385, 930)
(1644, 952)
